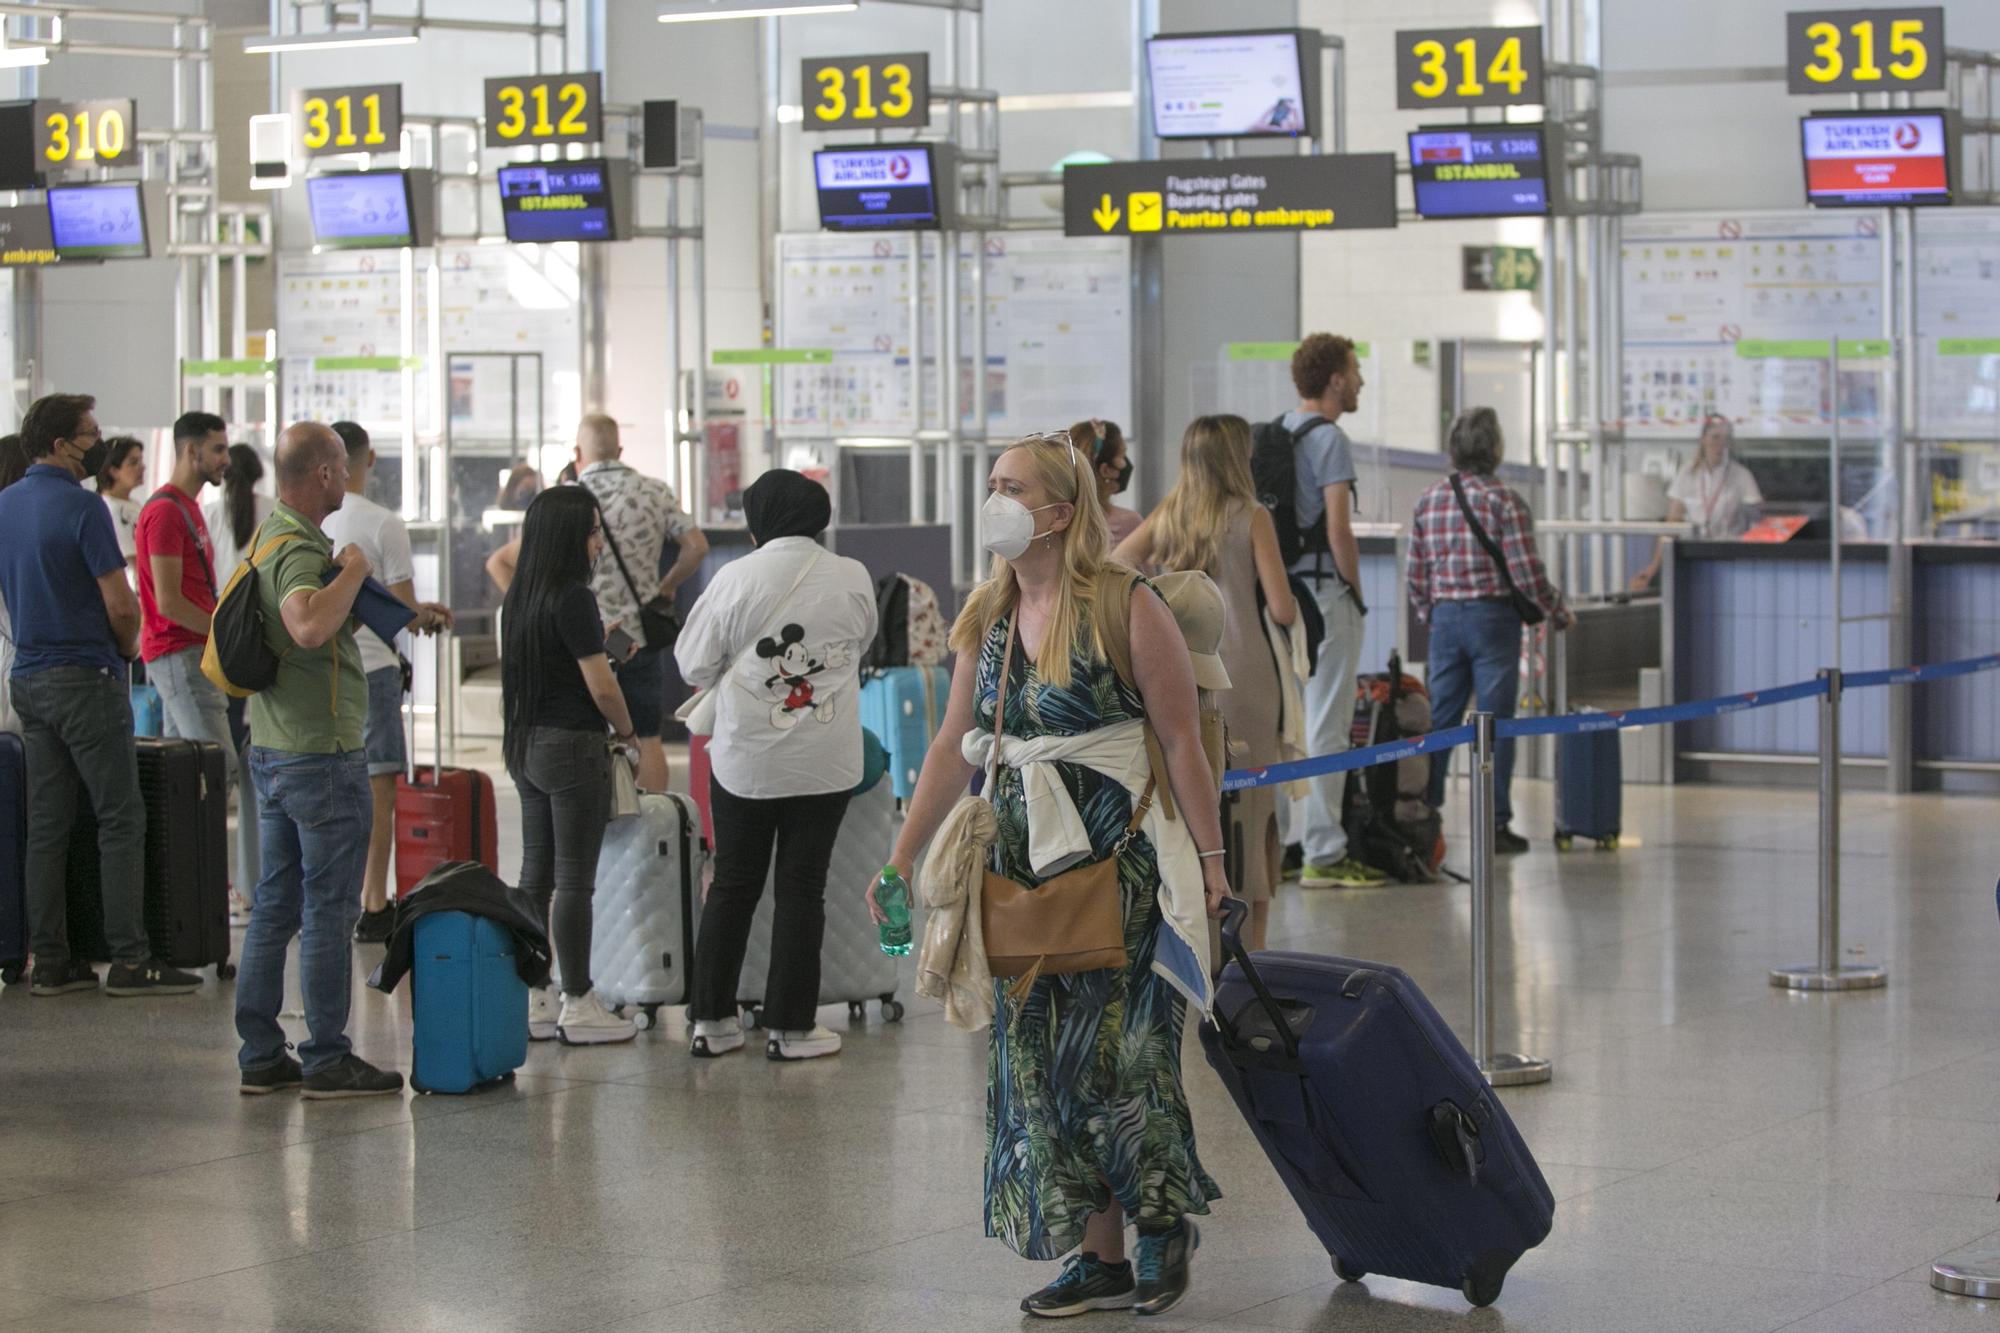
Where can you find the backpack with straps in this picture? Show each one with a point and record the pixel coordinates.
(1386, 810)
(910, 630)
(1111, 611)
(1274, 471)
(238, 658)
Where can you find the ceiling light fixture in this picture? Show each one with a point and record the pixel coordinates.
(331, 39)
(702, 11)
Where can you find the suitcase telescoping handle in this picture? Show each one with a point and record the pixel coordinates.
(1234, 913)
(439, 645)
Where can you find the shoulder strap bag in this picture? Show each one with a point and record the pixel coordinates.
(698, 713)
(659, 618)
(1524, 606)
(206, 568)
(1072, 923)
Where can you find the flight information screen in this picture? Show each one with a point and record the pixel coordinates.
(360, 210)
(1480, 171)
(98, 221)
(864, 189)
(1227, 85)
(1867, 159)
(557, 201)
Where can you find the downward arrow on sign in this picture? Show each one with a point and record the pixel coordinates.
(1105, 214)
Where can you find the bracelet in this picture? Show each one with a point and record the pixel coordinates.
(1209, 856)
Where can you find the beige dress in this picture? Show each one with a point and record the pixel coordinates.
(1251, 710)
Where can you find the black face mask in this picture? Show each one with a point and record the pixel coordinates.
(1124, 478)
(93, 458)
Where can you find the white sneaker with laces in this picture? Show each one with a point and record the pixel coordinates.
(716, 1036)
(542, 1013)
(809, 1045)
(586, 1022)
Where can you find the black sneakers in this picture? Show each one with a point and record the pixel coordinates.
(350, 1076)
(151, 977)
(1087, 1283)
(62, 978)
(1506, 842)
(285, 1073)
(1165, 1256)
(375, 927)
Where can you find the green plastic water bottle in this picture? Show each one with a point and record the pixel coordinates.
(892, 895)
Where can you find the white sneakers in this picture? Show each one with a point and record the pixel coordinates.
(810, 1045)
(542, 1013)
(716, 1037)
(586, 1022)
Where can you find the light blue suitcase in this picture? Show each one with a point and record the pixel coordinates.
(904, 706)
(470, 1005)
(148, 714)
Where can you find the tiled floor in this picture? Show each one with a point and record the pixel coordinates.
(1727, 1156)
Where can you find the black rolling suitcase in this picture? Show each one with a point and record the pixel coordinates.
(185, 787)
(1392, 1144)
(13, 858)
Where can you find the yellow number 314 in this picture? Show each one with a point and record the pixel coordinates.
(1505, 69)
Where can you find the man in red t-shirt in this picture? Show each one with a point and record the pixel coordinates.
(177, 592)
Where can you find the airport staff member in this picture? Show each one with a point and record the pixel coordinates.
(1714, 491)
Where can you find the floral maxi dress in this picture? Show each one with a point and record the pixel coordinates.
(1084, 1077)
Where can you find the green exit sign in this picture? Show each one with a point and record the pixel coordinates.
(1501, 268)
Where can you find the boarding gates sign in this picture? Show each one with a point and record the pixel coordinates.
(1204, 196)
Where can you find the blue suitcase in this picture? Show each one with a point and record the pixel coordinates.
(904, 706)
(1589, 798)
(148, 715)
(470, 1005)
(1392, 1144)
(13, 857)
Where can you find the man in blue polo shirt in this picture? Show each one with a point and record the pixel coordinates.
(75, 621)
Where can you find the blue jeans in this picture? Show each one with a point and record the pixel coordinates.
(1475, 651)
(314, 813)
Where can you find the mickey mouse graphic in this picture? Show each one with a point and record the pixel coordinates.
(790, 682)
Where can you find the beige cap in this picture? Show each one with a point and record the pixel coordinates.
(1203, 617)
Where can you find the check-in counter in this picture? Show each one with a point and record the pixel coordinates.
(1745, 616)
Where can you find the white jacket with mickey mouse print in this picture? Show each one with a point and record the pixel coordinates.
(787, 721)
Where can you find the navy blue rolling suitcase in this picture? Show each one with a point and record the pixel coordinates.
(1395, 1149)
(470, 1006)
(1589, 791)
(13, 857)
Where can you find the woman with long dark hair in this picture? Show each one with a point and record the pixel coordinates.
(235, 515)
(124, 468)
(557, 694)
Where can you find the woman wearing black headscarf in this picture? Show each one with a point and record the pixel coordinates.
(778, 635)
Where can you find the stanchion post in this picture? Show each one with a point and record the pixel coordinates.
(1829, 972)
(1502, 1070)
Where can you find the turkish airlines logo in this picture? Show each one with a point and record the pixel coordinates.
(899, 166)
(1908, 136)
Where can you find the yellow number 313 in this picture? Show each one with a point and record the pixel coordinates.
(834, 104)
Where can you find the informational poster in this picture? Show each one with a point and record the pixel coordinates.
(1058, 321)
(340, 334)
(1958, 324)
(1697, 285)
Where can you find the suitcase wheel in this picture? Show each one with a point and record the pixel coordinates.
(225, 971)
(10, 972)
(1609, 844)
(1564, 842)
(647, 1018)
(753, 1016)
(1482, 1292)
(892, 1010)
(1346, 1272)
(856, 1011)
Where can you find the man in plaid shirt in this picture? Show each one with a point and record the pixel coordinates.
(1462, 593)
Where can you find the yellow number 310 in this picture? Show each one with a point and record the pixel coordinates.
(97, 136)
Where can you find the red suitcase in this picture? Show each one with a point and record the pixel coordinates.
(442, 814)
(698, 773)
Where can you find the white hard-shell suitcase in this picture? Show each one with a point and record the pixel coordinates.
(853, 968)
(648, 878)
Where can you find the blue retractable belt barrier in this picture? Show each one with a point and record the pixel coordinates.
(1437, 742)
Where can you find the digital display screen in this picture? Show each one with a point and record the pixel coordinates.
(1227, 85)
(863, 189)
(1480, 171)
(1862, 159)
(557, 201)
(98, 221)
(359, 210)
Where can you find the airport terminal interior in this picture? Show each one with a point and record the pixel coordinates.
(1618, 942)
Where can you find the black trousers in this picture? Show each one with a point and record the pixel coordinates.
(801, 829)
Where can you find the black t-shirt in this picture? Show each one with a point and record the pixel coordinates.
(556, 643)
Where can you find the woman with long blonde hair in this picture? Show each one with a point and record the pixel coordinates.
(1211, 521)
(1087, 1121)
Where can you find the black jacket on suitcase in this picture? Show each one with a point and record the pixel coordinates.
(186, 790)
(1396, 1150)
(466, 886)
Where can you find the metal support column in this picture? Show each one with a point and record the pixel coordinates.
(1502, 1070)
(916, 378)
(1829, 973)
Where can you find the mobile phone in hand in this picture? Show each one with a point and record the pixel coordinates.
(619, 644)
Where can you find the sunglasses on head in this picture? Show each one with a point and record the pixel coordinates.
(1057, 437)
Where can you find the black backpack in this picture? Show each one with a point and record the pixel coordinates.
(1389, 823)
(1274, 470)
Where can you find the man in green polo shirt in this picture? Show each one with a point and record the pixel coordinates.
(311, 775)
